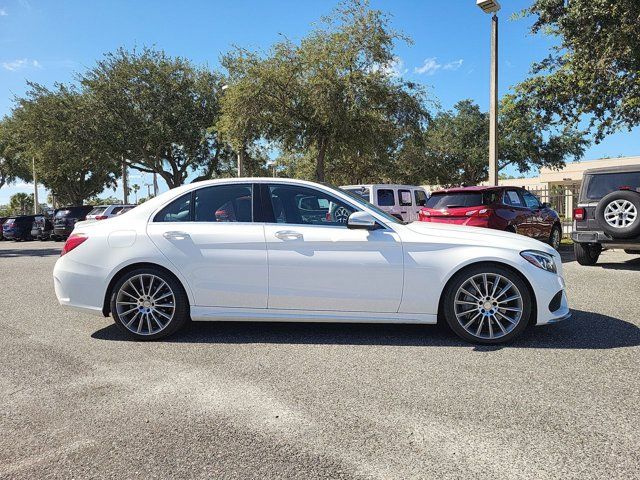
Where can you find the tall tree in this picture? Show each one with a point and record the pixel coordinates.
(12, 165)
(21, 203)
(334, 94)
(455, 147)
(594, 71)
(58, 129)
(156, 113)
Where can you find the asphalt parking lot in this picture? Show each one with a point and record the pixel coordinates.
(248, 400)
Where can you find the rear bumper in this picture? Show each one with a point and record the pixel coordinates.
(62, 231)
(78, 285)
(596, 236)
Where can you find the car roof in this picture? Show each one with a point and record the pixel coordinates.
(619, 169)
(384, 185)
(475, 188)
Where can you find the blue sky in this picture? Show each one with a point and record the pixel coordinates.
(50, 41)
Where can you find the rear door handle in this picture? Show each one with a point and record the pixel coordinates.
(173, 235)
(288, 235)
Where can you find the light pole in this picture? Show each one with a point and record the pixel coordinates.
(492, 7)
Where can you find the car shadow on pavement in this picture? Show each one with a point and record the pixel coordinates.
(30, 252)
(632, 263)
(586, 330)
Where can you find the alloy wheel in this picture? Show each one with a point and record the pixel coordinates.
(341, 215)
(145, 304)
(620, 213)
(488, 306)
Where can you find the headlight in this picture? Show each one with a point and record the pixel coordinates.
(541, 260)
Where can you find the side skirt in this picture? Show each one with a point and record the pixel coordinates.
(199, 313)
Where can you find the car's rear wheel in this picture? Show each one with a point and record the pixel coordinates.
(148, 303)
(487, 304)
(587, 254)
(556, 237)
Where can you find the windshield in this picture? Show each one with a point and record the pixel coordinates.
(455, 199)
(358, 200)
(605, 183)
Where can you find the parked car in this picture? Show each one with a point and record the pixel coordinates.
(102, 212)
(18, 228)
(66, 218)
(2, 220)
(510, 209)
(608, 213)
(42, 227)
(175, 258)
(401, 201)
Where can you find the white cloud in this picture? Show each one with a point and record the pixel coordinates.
(431, 66)
(21, 63)
(456, 64)
(395, 68)
(3, 12)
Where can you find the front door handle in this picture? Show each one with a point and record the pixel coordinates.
(173, 235)
(288, 235)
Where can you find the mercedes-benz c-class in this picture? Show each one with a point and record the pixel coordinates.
(267, 249)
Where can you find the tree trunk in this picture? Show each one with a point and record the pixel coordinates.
(322, 150)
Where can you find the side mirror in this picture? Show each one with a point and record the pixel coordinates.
(362, 221)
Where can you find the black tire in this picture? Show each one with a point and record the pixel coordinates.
(555, 237)
(181, 304)
(587, 254)
(449, 301)
(629, 231)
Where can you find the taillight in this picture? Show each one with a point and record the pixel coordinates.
(72, 242)
(101, 217)
(483, 212)
(579, 213)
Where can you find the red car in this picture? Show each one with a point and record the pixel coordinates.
(503, 208)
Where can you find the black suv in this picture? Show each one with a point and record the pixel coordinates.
(65, 220)
(608, 212)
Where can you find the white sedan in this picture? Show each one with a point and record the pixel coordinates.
(267, 249)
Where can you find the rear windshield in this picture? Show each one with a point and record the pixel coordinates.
(70, 212)
(97, 211)
(10, 221)
(456, 199)
(602, 184)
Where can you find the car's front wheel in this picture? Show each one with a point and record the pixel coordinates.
(148, 303)
(487, 304)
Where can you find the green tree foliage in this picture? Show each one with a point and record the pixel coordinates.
(21, 203)
(58, 128)
(156, 113)
(454, 148)
(334, 95)
(594, 71)
(13, 165)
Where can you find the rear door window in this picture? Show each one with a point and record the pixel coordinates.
(455, 200)
(602, 184)
(421, 198)
(513, 199)
(386, 197)
(224, 203)
(405, 198)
